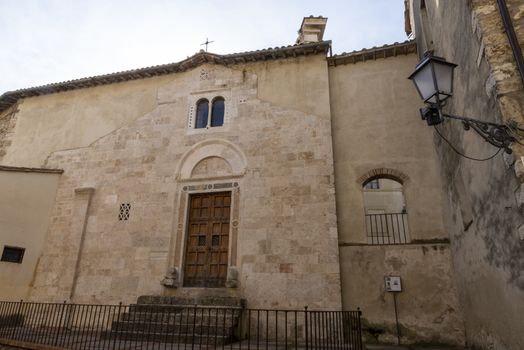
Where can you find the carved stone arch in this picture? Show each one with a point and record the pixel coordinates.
(211, 167)
(386, 173)
(211, 150)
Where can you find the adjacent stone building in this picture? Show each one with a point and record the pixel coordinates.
(482, 200)
(285, 176)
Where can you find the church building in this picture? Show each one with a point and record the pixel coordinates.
(287, 176)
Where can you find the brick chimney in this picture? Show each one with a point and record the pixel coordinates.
(311, 30)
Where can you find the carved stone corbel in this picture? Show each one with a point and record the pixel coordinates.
(171, 278)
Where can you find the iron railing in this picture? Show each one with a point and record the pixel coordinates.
(387, 228)
(145, 326)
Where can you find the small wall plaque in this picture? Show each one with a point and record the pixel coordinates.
(392, 284)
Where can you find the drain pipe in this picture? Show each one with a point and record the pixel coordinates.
(512, 37)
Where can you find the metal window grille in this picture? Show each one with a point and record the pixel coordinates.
(387, 228)
(125, 209)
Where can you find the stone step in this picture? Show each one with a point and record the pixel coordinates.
(182, 327)
(174, 337)
(176, 309)
(212, 301)
(198, 319)
(181, 316)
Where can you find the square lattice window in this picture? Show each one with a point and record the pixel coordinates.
(125, 209)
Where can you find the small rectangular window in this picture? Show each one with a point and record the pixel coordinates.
(13, 254)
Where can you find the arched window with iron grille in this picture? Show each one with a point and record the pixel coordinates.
(385, 210)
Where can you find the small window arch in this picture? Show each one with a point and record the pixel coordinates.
(385, 210)
(202, 113)
(217, 112)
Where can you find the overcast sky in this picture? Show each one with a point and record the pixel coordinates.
(46, 41)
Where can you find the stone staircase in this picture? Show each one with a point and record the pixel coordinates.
(208, 321)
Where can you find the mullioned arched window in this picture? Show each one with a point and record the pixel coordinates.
(210, 116)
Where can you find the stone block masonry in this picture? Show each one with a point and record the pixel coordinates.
(287, 243)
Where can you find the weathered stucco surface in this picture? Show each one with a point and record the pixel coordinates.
(26, 201)
(287, 235)
(427, 306)
(483, 208)
(300, 85)
(376, 126)
(74, 119)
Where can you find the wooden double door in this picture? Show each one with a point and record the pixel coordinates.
(206, 258)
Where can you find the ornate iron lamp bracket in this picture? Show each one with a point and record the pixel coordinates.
(433, 78)
(499, 135)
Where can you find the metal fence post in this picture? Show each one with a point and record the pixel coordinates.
(15, 319)
(307, 328)
(194, 325)
(359, 327)
(60, 322)
(114, 340)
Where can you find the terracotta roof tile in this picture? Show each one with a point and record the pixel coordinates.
(384, 51)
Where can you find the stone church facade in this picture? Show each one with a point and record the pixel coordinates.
(240, 175)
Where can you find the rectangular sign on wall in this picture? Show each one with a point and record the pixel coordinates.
(392, 283)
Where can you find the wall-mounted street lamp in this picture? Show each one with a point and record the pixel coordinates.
(433, 78)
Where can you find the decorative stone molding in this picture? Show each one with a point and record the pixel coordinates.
(211, 166)
(180, 233)
(171, 278)
(208, 187)
(209, 95)
(384, 172)
(212, 148)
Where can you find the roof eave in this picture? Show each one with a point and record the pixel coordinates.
(9, 98)
(396, 49)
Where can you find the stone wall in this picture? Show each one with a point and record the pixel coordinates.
(504, 80)
(482, 212)
(280, 172)
(7, 126)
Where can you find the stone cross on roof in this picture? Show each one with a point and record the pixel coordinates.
(207, 43)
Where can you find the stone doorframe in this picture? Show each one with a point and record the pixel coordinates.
(192, 178)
